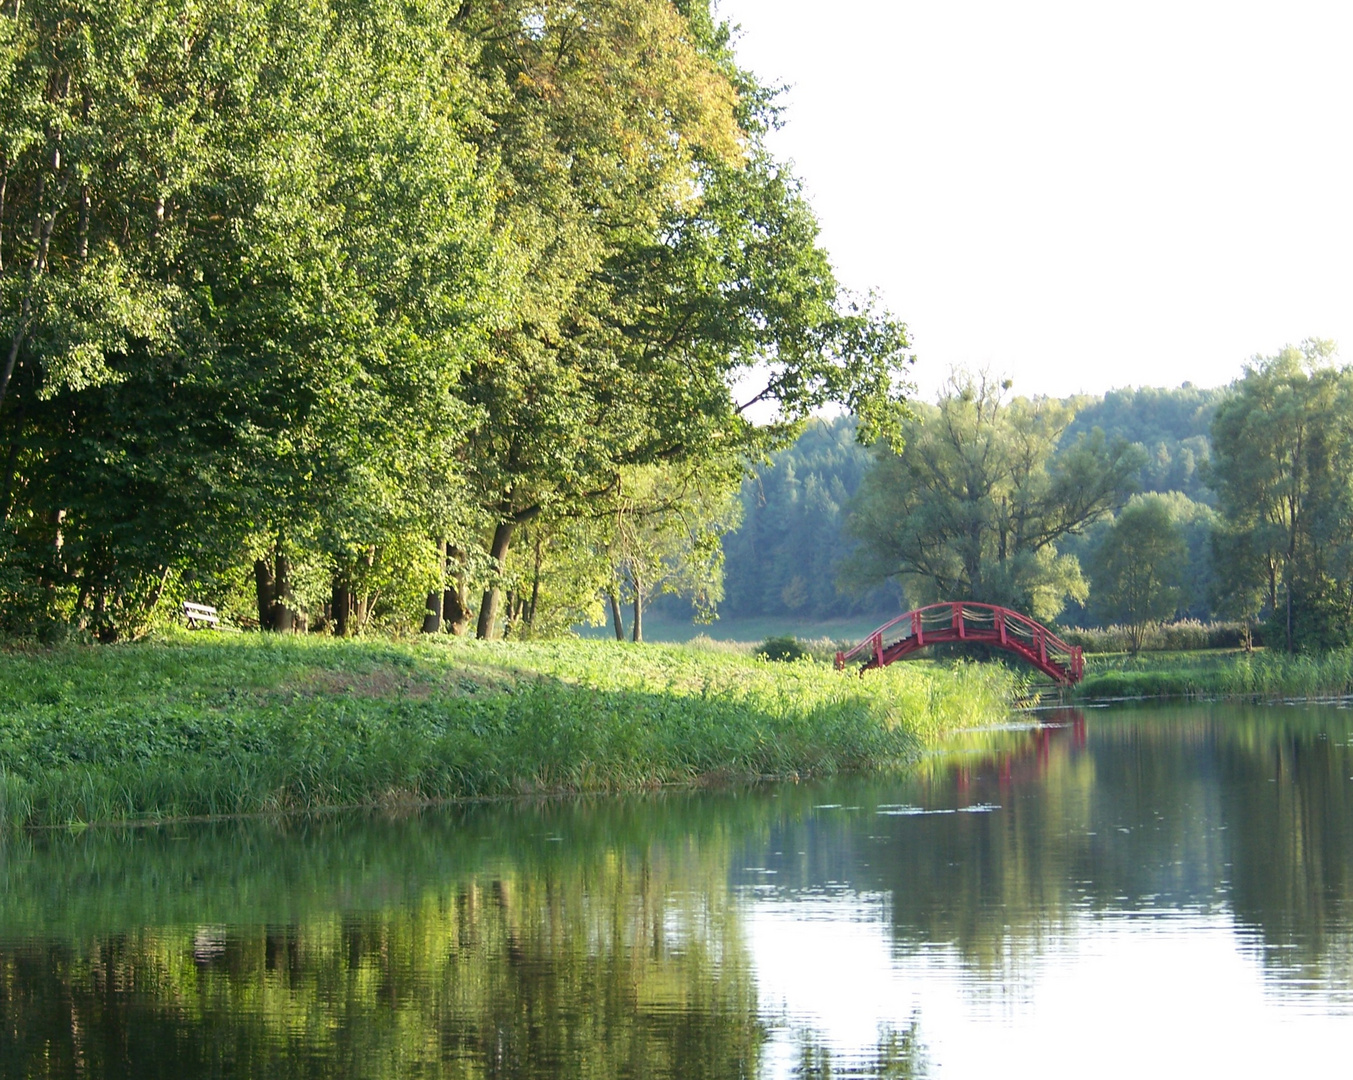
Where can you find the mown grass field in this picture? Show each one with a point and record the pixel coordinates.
(1228, 673)
(205, 724)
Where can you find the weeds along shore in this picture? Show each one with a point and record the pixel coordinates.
(1261, 675)
(203, 724)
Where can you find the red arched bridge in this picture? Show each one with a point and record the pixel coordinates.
(984, 624)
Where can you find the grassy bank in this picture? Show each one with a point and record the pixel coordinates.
(1229, 673)
(222, 724)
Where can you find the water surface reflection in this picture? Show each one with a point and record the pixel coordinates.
(1159, 891)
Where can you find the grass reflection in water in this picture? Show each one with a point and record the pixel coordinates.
(743, 933)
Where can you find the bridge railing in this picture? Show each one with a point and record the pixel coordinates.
(958, 620)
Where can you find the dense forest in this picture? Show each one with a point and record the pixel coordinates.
(422, 313)
(785, 558)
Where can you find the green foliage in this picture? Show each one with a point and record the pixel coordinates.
(247, 723)
(1283, 463)
(975, 504)
(1258, 676)
(1172, 427)
(285, 385)
(1186, 635)
(781, 648)
(669, 256)
(786, 557)
(304, 292)
(1138, 570)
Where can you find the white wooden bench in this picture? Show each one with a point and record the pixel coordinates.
(199, 615)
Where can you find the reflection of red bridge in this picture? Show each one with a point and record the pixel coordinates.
(1023, 761)
(984, 624)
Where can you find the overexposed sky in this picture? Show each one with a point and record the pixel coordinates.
(1082, 195)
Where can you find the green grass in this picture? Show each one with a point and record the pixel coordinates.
(207, 724)
(1228, 673)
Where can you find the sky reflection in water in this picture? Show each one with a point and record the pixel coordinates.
(1160, 892)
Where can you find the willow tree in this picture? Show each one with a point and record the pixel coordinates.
(979, 497)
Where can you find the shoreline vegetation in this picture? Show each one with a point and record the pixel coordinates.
(187, 726)
(1261, 675)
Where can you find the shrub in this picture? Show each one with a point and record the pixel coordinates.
(781, 648)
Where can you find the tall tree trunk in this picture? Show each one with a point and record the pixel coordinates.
(432, 618)
(154, 599)
(365, 603)
(638, 627)
(264, 592)
(340, 605)
(283, 618)
(455, 602)
(81, 615)
(529, 614)
(103, 626)
(617, 616)
(488, 608)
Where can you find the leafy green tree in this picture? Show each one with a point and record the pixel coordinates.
(329, 295)
(978, 500)
(1139, 569)
(668, 538)
(1282, 463)
(668, 256)
(253, 255)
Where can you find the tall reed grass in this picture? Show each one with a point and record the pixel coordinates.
(1263, 675)
(1185, 635)
(207, 725)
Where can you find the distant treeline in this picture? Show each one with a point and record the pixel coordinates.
(1138, 508)
(785, 559)
(1171, 426)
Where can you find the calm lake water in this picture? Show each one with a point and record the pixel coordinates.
(1136, 892)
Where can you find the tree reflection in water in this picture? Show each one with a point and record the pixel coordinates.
(609, 938)
(496, 951)
(1243, 810)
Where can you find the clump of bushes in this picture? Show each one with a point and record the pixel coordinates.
(1184, 636)
(781, 648)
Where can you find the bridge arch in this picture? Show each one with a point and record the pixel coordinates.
(961, 620)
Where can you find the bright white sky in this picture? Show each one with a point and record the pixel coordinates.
(1082, 195)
